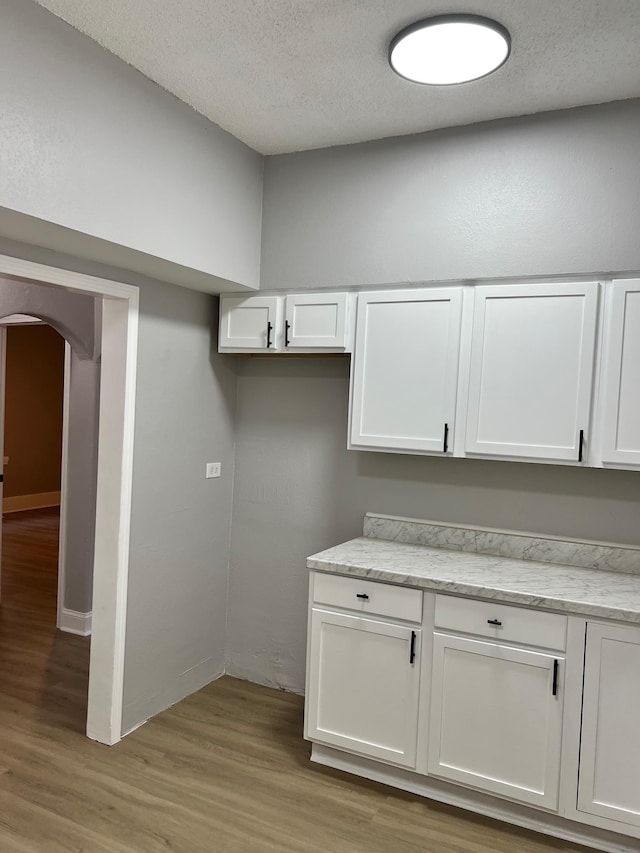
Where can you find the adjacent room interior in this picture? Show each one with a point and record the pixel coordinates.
(302, 292)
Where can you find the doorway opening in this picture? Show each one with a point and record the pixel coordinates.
(48, 507)
(119, 328)
(49, 393)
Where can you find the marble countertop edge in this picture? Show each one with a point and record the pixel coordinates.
(563, 589)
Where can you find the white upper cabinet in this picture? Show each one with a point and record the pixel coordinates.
(405, 370)
(249, 322)
(531, 373)
(307, 322)
(621, 376)
(316, 320)
(610, 744)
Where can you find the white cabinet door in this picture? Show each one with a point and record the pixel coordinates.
(532, 360)
(363, 686)
(610, 746)
(496, 717)
(248, 322)
(405, 371)
(621, 359)
(316, 320)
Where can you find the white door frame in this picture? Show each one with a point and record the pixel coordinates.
(115, 470)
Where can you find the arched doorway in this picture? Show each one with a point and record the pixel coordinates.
(119, 324)
(55, 449)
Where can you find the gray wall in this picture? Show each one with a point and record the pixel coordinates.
(180, 522)
(82, 469)
(74, 317)
(88, 143)
(545, 195)
(299, 490)
(552, 194)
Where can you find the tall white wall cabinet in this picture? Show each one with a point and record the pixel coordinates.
(621, 376)
(531, 372)
(405, 370)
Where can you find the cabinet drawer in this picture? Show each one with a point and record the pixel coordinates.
(501, 622)
(368, 596)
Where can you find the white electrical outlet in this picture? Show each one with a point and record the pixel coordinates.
(214, 469)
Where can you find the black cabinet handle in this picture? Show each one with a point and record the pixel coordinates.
(269, 330)
(554, 689)
(412, 651)
(362, 595)
(494, 622)
(580, 445)
(287, 326)
(445, 443)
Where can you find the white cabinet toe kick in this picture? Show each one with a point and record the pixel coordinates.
(520, 714)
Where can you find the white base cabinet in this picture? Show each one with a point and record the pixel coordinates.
(496, 719)
(470, 696)
(364, 681)
(610, 744)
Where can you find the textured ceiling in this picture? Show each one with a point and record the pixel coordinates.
(285, 75)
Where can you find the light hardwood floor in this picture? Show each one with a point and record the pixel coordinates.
(225, 771)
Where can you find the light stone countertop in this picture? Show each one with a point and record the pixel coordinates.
(567, 589)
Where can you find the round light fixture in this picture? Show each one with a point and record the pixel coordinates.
(449, 49)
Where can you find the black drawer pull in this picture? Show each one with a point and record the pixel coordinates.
(580, 445)
(445, 443)
(412, 651)
(362, 595)
(287, 326)
(269, 330)
(554, 689)
(494, 622)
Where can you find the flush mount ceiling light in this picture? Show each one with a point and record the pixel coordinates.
(449, 49)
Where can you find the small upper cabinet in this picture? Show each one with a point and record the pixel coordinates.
(316, 320)
(248, 323)
(531, 373)
(621, 376)
(404, 376)
(297, 322)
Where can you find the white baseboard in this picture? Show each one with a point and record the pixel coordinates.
(74, 622)
(21, 503)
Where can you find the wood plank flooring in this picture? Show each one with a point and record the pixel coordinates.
(224, 771)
